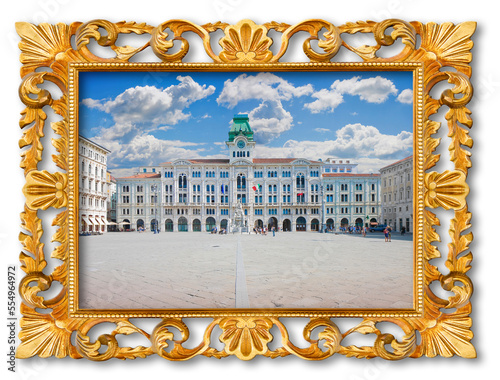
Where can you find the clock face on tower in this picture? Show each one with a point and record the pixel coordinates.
(241, 144)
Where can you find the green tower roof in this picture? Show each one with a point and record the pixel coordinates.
(240, 126)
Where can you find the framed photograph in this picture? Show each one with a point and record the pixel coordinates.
(247, 190)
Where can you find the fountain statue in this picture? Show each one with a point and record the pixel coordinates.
(238, 222)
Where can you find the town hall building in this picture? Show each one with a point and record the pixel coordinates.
(289, 194)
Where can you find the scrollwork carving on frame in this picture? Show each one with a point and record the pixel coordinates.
(443, 325)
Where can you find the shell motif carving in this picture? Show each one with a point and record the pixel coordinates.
(245, 42)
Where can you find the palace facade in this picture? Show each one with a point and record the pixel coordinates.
(94, 188)
(397, 194)
(289, 194)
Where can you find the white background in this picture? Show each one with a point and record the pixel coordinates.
(483, 200)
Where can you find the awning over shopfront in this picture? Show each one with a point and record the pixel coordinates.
(87, 220)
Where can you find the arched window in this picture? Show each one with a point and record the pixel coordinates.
(300, 181)
(241, 182)
(182, 181)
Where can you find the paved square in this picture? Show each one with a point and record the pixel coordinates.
(189, 270)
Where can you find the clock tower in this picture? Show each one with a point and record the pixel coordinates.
(240, 142)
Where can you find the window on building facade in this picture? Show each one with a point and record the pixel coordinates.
(241, 183)
(300, 181)
(182, 181)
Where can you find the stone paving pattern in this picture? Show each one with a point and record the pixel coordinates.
(179, 270)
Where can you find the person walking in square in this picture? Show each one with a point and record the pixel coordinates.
(387, 233)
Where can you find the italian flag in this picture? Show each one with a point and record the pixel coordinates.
(256, 187)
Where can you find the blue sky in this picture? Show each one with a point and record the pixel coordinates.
(145, 118)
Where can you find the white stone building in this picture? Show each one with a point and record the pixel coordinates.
(351, 200)
(202, 194)
(93, 187)
(397, 194)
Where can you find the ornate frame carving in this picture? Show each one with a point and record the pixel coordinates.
(437, 326)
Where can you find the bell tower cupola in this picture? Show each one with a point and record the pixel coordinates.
(240, 142)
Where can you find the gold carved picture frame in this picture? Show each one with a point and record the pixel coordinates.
(436, 326)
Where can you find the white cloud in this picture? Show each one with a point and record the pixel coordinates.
(372, 90)
(365, 144)
(326, 100)
(406, 96)
(145, 149)
(263, 86)
(137, 112)
(322, 130)
(269, 120)
(149, 104)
